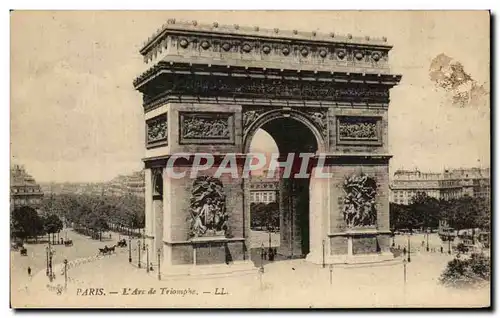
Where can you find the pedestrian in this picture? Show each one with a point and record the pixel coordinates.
(441, 250)
(29, 271)
(404, 250)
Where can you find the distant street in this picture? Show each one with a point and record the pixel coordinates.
(418, 242)
(37, 259)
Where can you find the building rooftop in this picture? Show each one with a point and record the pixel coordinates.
(19, 177)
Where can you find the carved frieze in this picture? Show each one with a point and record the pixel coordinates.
(251, 88)
(157, 131)
(207, 210)
(359, 205)
(359, 130)
(206, 127)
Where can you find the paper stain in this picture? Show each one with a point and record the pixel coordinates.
(450, 76)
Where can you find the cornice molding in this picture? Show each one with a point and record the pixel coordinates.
(214, 29)
(363, 76)
(251, 47)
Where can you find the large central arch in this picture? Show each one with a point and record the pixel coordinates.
(294, 134)
(209, 88)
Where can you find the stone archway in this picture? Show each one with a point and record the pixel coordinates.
(295, 133)
(208, 88)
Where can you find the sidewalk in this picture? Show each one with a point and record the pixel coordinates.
(292, 283)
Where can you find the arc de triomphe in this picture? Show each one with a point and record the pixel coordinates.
(209, 88)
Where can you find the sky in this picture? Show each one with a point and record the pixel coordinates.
(75, 116)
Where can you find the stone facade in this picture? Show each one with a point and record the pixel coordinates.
(209, 88)
(446, 185)
(24, 191)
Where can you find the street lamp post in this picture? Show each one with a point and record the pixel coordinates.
(129, 250)
(47, 262)
(331, 274)
(323, 260)
(262, 257)
(139, 253)
(404, 271)
(427, 240)
(51, 275)
(143, 239)
(65, 274)
(449, 244)
(147, 258)
(159, 271)
(409, 249)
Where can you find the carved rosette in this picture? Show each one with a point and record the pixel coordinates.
(359, 204)
(334, 53)
(157, 131)
(206, 127)
(358, 130)
(207, 210)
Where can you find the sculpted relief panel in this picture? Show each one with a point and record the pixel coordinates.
(359, 207)
(208, 216)
(156, 131)
(359, 130)
(206, 127)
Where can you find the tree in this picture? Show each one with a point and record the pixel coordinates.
(52, 224)
(258, 214)
(401, 217)
(467, 272)
(398, 216)
(270, 216)
(425, 211)
(25, 223)
(467, 213)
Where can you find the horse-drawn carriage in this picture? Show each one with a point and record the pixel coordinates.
(107, 250)
(122, 243)
(17, 245)
(23, 251)
(68, 243)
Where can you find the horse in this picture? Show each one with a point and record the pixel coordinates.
(122, 243)
(68, 243)
(103, 251)
(107, 250)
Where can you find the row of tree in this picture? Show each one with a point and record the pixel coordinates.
(97, 212)
(265, 216)
(26, 223)
(89, 214)
(426, 212)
